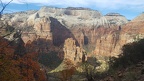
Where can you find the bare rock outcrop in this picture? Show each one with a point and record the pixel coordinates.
(42, 30)
(110, 43)
(116, 19)
(42, 27)
(31, 19)
(73, 52)
(74, 17)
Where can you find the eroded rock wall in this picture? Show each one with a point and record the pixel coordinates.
(73, 52)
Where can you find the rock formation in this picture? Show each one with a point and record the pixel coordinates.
(89, 29)
(73, 52)
(110, 44)
(116, 19)
(41, 29)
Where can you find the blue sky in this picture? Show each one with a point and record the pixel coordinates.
(128, 8)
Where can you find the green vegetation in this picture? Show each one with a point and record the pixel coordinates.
(129, 65)
(132, 54)
(50, 59)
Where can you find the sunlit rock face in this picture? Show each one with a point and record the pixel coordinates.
(116, 19)
(74, 17)
(73, 52)
(41, 29)
(110, 44)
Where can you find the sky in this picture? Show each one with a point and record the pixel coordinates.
(129, 8)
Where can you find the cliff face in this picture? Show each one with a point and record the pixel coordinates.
(73, 52)
(110, 44)
(41, 29)
(97, 34)
(116, 19)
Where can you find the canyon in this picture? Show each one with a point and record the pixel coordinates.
(75, 33)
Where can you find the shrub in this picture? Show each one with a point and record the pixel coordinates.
(132, 53)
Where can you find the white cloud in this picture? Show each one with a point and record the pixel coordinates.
(108, 4)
